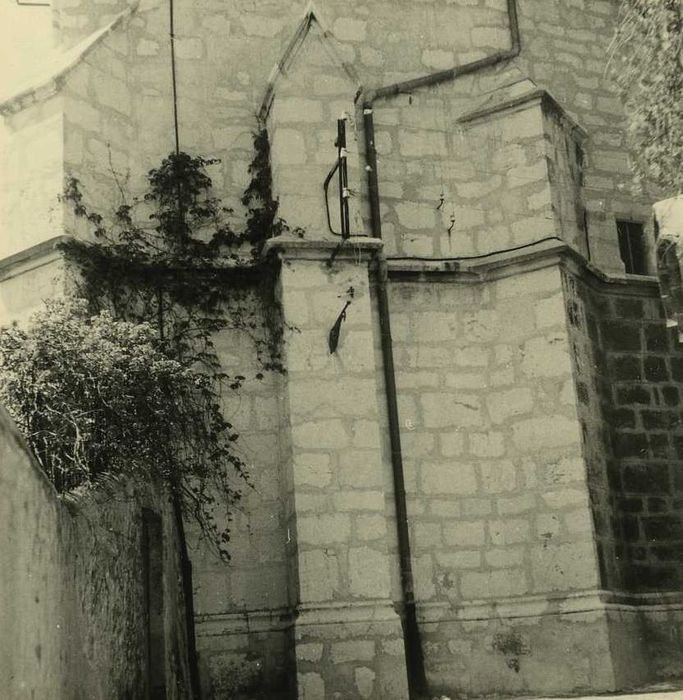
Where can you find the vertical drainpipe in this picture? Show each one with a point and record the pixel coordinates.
(417, 680)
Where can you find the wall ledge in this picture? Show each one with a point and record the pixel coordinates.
(535, 256)
(56, 67)
(30, 258)
(358, 248)
(589, 602)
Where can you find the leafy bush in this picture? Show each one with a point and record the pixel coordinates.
(126, 379)
(647, 55)
(95, 395)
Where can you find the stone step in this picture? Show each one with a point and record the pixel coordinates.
(642, 695)
(662, 691)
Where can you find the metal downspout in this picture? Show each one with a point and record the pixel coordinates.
(408, 86)
(417, 680)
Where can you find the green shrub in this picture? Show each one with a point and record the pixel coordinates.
(95, 395)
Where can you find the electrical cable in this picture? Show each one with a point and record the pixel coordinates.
(174, 82)
(476, 257)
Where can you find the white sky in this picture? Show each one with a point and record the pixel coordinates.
(25, 39)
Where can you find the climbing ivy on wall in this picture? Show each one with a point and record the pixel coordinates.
(647, 61)
(132, 383)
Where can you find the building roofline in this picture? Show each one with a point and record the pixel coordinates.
(47, 83)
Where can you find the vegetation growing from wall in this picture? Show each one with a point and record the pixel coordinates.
(125, 378)
(647, 54)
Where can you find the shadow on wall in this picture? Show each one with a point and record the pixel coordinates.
(91, 605)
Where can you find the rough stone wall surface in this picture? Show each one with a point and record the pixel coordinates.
(25, 285)
(347, 634)
(485, 369)
(497, 158)
(74, 21)
(242, 606)
(565, 157)
(498, 498)
(640, 366)
(75, 625)
(618, 336)
(31, 649)
(592, 388)
(493, 446)
(565, 49)
(225, 54)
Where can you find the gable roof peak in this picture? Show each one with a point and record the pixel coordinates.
(311, 18)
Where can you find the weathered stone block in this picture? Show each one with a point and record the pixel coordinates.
(319, 575)
(550, 431)
(313, 469)
(464, 534)
(491, 444)
(563, 567)
(493, 584)
(324, 529)
(442, 410)
(498, 476)
(503, 405)
(349, 29)
(297, 109)
(368, 573)
(310, 686)
(355, 650)
(359, 500)
(448, 478)
(365, 681)
(509, 531)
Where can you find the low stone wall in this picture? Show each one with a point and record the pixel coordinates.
(91, 602)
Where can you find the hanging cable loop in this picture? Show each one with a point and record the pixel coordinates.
(341, 168)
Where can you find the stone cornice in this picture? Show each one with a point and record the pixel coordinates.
(577, 603)
(43, 85)
(30, 258)
(495, 266)
(538, 97)
(360, 248)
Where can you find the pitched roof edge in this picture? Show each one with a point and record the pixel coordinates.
(539, 94)
(311, 15)
(43, 87)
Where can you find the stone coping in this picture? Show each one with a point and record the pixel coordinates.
(47, 80)
(647, 694)
(359, 248)
(485, 268)
(535, 256)
(37, 255)
(538, 96)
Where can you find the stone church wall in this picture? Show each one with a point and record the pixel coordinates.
(638, 379)
(538, 404)
(120, 107)
(498, 501)
(243, 607)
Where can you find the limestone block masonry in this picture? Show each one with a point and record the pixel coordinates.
(539, 391)
(347, 634)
